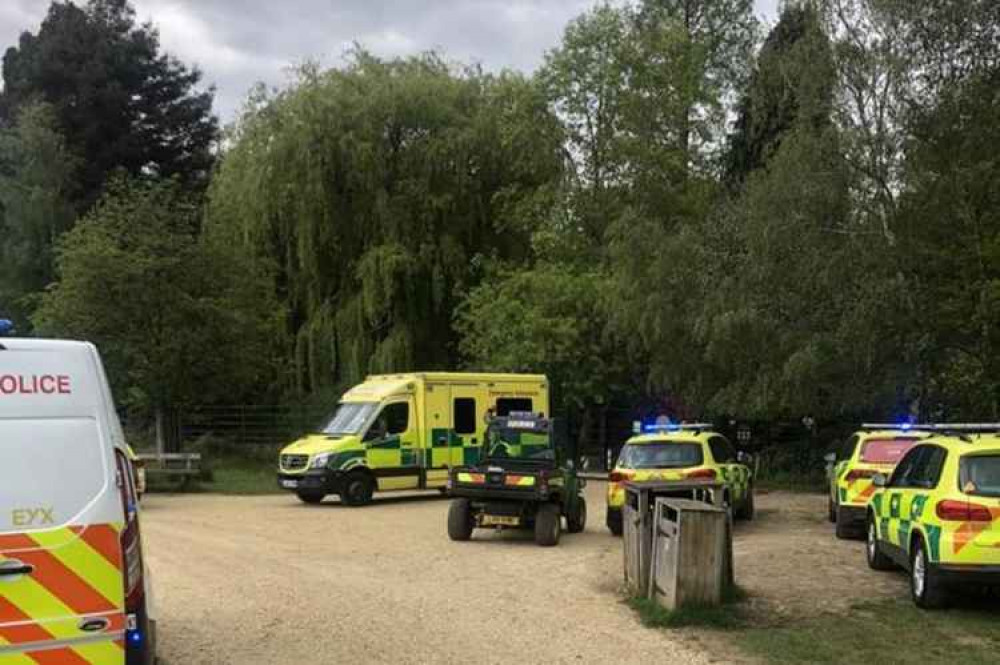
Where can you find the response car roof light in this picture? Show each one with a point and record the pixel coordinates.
(653, 428)
(6, 327)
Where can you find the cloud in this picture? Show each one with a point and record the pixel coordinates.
(237, 43)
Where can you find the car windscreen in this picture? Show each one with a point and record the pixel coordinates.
(673, 455)
(514, 443)
(52, 469)
(349, 418)
(980, 475)
(885, 451)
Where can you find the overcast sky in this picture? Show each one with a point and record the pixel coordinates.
(239, 42)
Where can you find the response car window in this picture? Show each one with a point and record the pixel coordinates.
(885, 451)
(722, 452)
(980, 475)
(661, 456)
(900, 477)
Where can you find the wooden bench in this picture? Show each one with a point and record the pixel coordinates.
(183, 466)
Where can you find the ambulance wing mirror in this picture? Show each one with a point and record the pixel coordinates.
(880, 480)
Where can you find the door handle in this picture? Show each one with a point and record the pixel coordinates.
(12, 568)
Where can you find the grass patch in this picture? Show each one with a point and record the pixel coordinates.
(728, 616)
(895, 632)
(252, 473)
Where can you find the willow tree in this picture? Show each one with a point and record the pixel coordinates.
(372, 191)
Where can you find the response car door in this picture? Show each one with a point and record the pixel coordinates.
(921, 482)
(896, 493)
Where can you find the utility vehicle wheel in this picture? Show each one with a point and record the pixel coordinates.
(460, 520)
(548, 525)
(358, 489)
(577, 522)
(876, 559)
(926, 587)
(310, 497)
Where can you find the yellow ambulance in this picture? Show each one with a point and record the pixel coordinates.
(404, 432)
(73, 584)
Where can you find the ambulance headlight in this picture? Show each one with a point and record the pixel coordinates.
(320, 461)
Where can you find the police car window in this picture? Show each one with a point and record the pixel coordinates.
(465, 415)
(508, 405)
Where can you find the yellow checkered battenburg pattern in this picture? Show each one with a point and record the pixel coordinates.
(76, 580)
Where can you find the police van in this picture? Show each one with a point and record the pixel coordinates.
(404, 432)
(73, 585)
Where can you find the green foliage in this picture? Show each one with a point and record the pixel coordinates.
(373, 192)
(36, 186)
(119, 101)
(178, 320)
(546, 319)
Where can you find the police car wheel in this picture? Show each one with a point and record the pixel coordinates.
(876, 559)
(577, 522)
(548, 525)
(310, 497)
(460, 520)
(927, 590)
(358, 489)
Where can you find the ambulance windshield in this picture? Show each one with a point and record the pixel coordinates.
(349, 418)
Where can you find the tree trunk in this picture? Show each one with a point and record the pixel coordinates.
(161, 444)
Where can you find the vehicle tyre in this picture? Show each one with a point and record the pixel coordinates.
(577, 522)
(845, 530)
(876, 559)
(926, 587)
(143, 651)
(832, 509)
(548, 525)
(310, 497)
(750, 509)
(615, 525)
(460, 523)
(359, 487)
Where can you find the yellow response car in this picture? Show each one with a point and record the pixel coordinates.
(937, 515)
(873, 450)
(681, 452)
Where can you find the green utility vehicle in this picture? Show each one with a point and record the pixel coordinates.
(522, 481)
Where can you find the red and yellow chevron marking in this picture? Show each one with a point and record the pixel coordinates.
(78, 573)
(969, 531)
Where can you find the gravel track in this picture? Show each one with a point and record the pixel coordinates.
(248, 580)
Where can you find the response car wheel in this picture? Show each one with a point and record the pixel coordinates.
(832, 510)
(358, 490)
(746, 509)
(548, 525)
(876, 559)
(310, 497)
(578, 521)
(845, 530)
(926, 588)
(460, 520)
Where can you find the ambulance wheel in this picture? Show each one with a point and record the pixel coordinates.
(310, 497)
(577, 522)
(876, 559)
(548, 525)
(926, 587)
(359, 487)
(460, 520)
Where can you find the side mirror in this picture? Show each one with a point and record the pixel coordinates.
(830, 458)
(880, 480)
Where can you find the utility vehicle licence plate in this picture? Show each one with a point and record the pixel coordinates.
(290, 484)
(500, 520)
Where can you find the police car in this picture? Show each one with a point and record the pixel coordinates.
(938, 514)
(669, 451)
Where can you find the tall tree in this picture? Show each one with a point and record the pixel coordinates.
(120, 102)
(376, 191)
(36, 189)
(179, 320)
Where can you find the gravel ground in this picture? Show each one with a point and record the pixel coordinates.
(247, 580)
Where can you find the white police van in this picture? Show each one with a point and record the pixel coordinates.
(73, 585)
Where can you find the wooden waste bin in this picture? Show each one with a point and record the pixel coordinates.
(638, 520)
(691, 554)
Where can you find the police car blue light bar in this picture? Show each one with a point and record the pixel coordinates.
(669, 426)
(6, 327)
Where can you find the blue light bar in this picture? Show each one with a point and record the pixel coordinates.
(6, 327)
